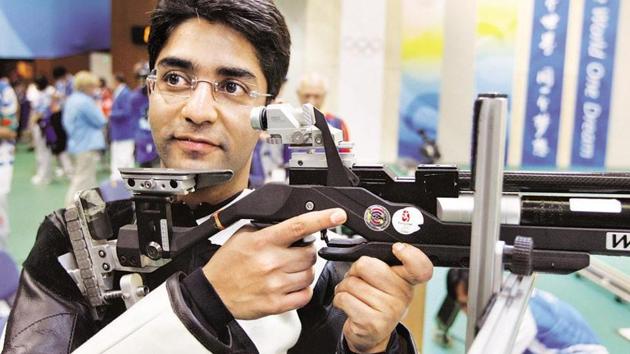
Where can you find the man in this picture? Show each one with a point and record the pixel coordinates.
(313, 89)
(146, 154)
(212, 62)
(64, 83)
(122, 128)
(40, 119)
(8, 128)
(83, 120)
(548, 326)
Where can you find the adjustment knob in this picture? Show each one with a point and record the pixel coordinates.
(522, 256)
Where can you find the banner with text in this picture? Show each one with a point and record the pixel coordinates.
(544, 87)
(597, 59)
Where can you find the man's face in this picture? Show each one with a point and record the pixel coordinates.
(199, 133)
(313, 93)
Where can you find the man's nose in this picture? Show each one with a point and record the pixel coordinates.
(201, 107)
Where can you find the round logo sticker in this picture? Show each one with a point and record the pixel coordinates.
(407, 220)
(377, 217)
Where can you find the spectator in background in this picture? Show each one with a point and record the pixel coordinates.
(57, 140)
(8, 127)
(63, 89)
(9, 280)
(312, 89)
(122, 128)
(106, 97)
(63, 84)
(548, 326)
(83, 120)
(146, 152)
(25, 106)
(41, 103)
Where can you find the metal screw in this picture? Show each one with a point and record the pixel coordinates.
(309, 205)
(114, 294)
(297, 138)
(101, 253)
(105, 266)
(318, 140)
(142, 290)
(148, 184)
(154, 250)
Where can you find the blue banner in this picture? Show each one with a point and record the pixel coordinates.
(53, 28)
(597, 59)
(544, 86)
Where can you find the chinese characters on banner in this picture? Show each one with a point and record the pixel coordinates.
(544, 88)
(597, 54)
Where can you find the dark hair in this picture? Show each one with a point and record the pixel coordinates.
(259, 21)
(59, 72)
(454, 277)
(41, 82)
(120, 77)
(5, 68)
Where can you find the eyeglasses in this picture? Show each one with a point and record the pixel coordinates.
(176, 87)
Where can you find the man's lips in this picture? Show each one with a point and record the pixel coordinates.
(195, 143)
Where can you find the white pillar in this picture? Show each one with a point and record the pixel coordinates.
(617, 156)
(519, 83)
(364, 101)
(570, 83)
(458, 76)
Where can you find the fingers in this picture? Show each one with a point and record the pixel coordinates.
(298, 259)
(295, 300)
(416, 267)
(353, 307)
(298, 281)
(378, 274)
(291, 230)
(369, 295)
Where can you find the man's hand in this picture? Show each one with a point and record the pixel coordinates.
(375, 296)
(257, 273)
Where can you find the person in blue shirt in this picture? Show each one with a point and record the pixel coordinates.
(122, 128)
(549, 325)
(8, 128)
(64, 83)
(83, 120)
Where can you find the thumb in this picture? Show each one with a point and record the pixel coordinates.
(416, 267)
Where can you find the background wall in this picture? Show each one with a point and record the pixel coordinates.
(73, 64)
(125, 53)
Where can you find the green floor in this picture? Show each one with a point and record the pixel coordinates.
(29, 204)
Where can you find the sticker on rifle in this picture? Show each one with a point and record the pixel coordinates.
(618, 241)
(407, 220)
(377, 217)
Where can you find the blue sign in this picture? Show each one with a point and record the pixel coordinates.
(597, 59)
(544, 87)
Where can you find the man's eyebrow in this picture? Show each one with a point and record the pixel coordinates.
(177, 63)
(235, 72)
